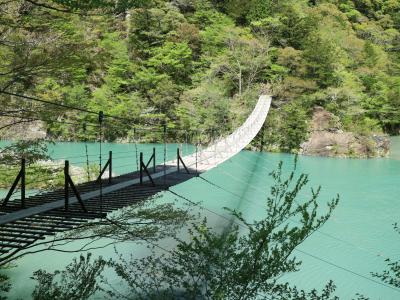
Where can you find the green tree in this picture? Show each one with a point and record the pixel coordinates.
(383, 103)
(141, 59)
(75, 6)
(287, 127)
(246, 61)
(151, 26)
(77, 282)
(321, 57)
(173, 59)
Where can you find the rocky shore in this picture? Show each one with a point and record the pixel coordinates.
(327, 138)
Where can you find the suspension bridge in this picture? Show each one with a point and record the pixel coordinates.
(29, 219)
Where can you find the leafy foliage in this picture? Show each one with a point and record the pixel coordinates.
(150, 61)
(77, 282)
(5, 286)
(32, 151)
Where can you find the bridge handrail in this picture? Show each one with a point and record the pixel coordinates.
(225, 148)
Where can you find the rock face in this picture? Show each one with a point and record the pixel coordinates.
(328, 139)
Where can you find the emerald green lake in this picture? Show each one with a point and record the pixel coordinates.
(353, 243)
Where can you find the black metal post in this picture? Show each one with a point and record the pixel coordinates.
(177, 158)
(154, 159)
(109, 166)
(23, 183)
(86, 153)
(66, 185)
(148, 175)
(101, 117)
(262, 139)
(141, 168)
(14, 185)
(77, 195)
(197, 149)
(136, 149)
(180, 160)
(165, 155)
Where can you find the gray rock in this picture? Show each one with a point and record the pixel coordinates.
(327, 138)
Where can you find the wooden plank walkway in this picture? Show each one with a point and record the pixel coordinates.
(45, 214)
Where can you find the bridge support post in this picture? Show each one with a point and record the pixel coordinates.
(69, 183)
(66, 186)
(180, 160)
(165, 154)
(143, 167)
(154, 159)
(109, 166)
(23, 162)
(20, 177)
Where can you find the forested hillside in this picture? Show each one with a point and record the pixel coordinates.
(198, 64)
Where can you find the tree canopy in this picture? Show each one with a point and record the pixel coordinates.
(198, 64)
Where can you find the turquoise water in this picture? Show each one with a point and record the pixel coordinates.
(353, 243)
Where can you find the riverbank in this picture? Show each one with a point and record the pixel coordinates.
(395, 148)
(329, 138)
(324, 136)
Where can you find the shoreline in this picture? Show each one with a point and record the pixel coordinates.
(393, 153)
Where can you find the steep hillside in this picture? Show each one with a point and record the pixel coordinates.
(201, 64)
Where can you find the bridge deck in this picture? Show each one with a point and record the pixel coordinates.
(45, 214)
(20, 228)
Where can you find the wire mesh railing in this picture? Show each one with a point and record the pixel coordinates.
(200, 149)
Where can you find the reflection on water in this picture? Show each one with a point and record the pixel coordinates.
(356, 240)
(395, 148)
